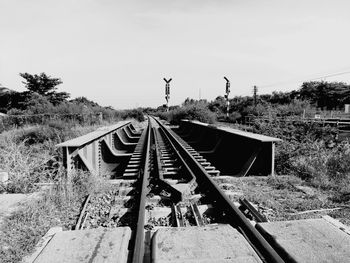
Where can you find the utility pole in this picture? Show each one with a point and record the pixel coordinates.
(226, 96)
(255, 90)
(167, 92)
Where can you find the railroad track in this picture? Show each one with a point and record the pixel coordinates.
(167, 183)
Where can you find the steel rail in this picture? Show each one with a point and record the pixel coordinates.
(159, 174)
(246, 204)
(237, 217)
(78, 225)
(158, 167)
(181, 159)
(139, 241)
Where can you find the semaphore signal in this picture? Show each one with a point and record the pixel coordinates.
(167, 92)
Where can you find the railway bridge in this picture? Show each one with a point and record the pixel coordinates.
(163, 204)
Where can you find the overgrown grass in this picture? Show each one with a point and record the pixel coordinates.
(323, 167)
(58, 206)
(29, 154)
(311, 152)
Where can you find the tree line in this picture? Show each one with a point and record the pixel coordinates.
(42, 96)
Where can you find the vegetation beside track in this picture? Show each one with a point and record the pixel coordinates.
(29, 154)
(57, 206)
(309, 157)
(310, 152)
(193, 111)
(282, 198)
(30, 157)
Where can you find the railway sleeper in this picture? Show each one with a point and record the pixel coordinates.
(170, 173)
(168, 155)
(170, 160)
(169, 169)
(166, 158)
(135, 161)
(130, 176)
(209, 168)
(133, 166)
(205, 163)
(213, 172)
(131, 170)
(168, 164)
(135, 158)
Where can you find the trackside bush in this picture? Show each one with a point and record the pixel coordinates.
(136, 114)
(190, 112)
(310, 152)
(325, 167)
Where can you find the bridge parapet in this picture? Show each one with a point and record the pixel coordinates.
(232, 151)
(104, 152)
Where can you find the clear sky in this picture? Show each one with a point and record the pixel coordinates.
(117, 52)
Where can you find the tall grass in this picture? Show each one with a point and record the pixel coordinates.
(311, 152)
(324, 167)
(29, 154)
(58, 206)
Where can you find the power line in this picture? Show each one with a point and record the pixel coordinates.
(332, 75)
(304, 80)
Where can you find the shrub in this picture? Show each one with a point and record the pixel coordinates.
(191, 112)
(294, 131)
(136, 114)
(338, 163)
(308, 152)
(323, 167)
(36, 134)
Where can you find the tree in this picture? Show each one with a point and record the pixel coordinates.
(326, 94)
(85, 101)
(218, 105)
(36, 104)
(45, 86)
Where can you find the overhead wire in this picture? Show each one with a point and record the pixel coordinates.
(304, 80)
